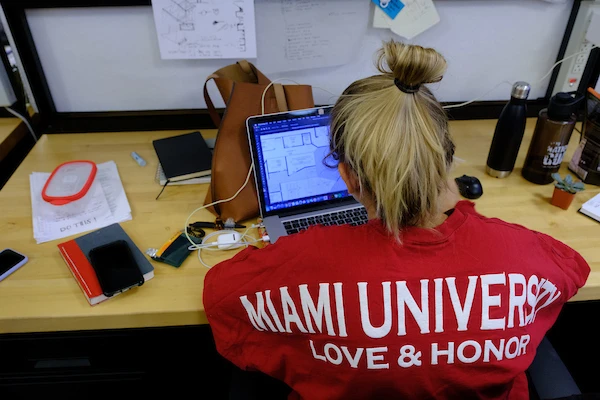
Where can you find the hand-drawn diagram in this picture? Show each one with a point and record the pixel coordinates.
(196, 29)
(293, 163)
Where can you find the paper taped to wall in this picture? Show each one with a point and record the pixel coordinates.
(416, 17)
(201, 29)
(301, 34)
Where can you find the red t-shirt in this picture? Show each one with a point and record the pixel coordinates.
(347, 312)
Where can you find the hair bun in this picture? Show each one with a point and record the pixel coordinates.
(410, 64)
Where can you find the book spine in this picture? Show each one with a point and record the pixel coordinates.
(81, 269)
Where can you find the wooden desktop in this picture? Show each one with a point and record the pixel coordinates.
(42, 296)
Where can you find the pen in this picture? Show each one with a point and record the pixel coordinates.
(138, 159)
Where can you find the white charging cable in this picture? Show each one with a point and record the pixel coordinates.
(236, 244)
(466, 103)
(262, 99)
(243, 240)
(187, 221)
(563, 60)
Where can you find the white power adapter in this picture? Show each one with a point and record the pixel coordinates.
(228, 240)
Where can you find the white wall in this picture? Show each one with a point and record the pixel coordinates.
(107, 59)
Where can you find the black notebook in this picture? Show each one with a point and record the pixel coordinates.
(184, 157)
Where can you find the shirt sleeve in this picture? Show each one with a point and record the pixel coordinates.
(228, 327)
(251, 270)
(574, 267)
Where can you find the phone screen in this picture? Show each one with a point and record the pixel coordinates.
(115, 267)
(9, 259)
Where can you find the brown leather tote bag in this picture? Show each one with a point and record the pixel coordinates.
(242, 85)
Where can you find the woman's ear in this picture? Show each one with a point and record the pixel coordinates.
(350, 178)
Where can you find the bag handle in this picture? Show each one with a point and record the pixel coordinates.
(226, 73)
(212, 111)
(247, 68)
(280, 97)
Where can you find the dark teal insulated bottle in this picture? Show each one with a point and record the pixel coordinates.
(509, 133)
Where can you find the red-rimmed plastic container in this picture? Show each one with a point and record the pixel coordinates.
(69, 182)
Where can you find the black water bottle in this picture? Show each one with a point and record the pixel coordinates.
(509, 133)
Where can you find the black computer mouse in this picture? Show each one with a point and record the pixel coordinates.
(469, 187)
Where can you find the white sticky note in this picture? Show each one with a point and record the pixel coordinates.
(415, 18)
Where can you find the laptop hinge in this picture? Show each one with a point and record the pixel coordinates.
(319, 207)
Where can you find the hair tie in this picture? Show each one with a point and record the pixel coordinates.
(406, 88)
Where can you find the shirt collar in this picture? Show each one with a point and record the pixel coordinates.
(440, 233)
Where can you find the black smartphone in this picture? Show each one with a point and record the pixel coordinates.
(10, 261)
(115, 267)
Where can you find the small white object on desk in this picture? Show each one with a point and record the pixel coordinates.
(591, 208)
(141, 162)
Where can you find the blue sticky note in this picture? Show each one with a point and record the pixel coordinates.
(390, 7)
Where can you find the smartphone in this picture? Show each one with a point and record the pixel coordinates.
(115, 267)
(10, 261)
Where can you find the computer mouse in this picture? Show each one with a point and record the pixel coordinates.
(469, 187)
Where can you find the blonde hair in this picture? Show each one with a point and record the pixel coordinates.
(396, 142)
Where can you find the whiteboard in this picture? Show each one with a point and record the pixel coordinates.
(107, 58)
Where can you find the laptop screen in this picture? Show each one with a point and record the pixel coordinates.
(290, 148)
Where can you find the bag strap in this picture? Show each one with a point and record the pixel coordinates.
(227, 73)
(280, 97)
(212, 111)
(247, 68)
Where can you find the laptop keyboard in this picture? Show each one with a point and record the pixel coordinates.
(354, 217)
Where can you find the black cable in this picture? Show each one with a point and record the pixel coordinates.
(163, 189)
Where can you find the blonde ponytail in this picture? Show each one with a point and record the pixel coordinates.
(393, 133)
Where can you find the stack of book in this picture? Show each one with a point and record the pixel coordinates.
(76, 255)
(183, 160)
(591, 208)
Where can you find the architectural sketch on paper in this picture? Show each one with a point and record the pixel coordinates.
(205, 28)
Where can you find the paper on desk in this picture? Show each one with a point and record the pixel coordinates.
(415, 18)
(205, 29)
(107, 205)
(50, 222)
(108, 175)
(301, 34)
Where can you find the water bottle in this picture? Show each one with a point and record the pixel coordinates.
(509, 133)
(551, 137)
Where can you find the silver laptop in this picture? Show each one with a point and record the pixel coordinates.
(296, 189)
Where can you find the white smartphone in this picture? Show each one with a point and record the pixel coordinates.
(10, 261)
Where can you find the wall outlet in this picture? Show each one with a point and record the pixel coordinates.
(586, 46)
(578, 69)
(584, 36)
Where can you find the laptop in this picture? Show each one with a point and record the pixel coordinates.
(296, 189)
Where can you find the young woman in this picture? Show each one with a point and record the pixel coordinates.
(427, 300)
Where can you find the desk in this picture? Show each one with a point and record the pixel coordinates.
(10, 135)
(43, 296)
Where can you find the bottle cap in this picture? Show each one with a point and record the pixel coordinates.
(520, 90)
(563, 105)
